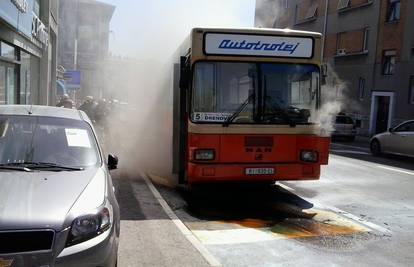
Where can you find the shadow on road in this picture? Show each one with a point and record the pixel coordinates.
(389, 160)
(241, 202)
(135, 200)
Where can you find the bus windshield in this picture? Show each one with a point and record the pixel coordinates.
(265, 93)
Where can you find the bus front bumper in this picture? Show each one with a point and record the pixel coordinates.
(205, 173)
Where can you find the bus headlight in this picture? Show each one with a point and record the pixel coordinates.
(204, 154)
(309, 156)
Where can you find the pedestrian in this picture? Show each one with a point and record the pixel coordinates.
(89, 106)
(66, 102)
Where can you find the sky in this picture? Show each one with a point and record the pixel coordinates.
(139, 25)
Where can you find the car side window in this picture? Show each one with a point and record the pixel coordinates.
(407, 127)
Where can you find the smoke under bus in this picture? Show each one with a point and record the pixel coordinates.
(245, 107)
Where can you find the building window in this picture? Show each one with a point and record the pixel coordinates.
(366, 35)
(361, 88)
(388, 62)
(411, 99)
(393, 10)
(343, 4)
(306, 11)
(352, 42)
(312, 11)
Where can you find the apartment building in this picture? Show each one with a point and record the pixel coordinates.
(369, 44)
(84, 44)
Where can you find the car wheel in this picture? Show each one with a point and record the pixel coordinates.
(375, 147)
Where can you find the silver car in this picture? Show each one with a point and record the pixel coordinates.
(398, 140)
(57, 202)
(344, 127)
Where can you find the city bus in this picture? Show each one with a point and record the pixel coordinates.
(246, 106)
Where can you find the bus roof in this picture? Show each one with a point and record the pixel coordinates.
(259, 30)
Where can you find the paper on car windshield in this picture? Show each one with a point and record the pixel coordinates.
(77, 138)
(210, 117)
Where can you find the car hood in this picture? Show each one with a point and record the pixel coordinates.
(36, 200)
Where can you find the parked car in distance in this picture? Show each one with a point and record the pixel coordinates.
(57, 201)
(344, 127)
(397, 140)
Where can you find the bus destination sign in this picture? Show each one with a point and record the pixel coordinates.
(258, 45)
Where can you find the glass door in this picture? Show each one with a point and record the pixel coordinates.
(8, 83)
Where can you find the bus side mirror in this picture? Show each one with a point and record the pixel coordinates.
(184, 73)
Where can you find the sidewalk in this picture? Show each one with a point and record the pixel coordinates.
(148, 236)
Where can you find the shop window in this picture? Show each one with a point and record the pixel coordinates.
(388, 62)
(2, 85)
(25, 92)
(361, 88)
(36, 8)
(411, 88)
(393, 10)
(7, 51)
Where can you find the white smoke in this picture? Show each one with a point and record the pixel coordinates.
(267, 12)
(142, 138)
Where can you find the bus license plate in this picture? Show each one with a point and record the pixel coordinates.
(260, 171)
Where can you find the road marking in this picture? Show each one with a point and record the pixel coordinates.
(355, 147)
(180, 225)
(344, 213)
(395, 169)
(349, 151)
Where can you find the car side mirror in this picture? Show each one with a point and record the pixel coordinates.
(391, 130)
(112, 162)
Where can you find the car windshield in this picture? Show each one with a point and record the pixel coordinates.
(344, 120)
(33, 139)
(256, 92)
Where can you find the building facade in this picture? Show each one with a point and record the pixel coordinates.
(369, 44)
(84, 43)
(28, 38)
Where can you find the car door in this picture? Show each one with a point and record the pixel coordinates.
(402, 139)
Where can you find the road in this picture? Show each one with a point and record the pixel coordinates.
(360, 212)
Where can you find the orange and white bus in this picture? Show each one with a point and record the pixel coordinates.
(245, 106)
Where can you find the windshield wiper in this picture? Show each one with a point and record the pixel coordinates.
(14, 167)
(238, 111)
(283, 115)
(40, 165)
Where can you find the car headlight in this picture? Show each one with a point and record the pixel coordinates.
(89, 226)
(309, 156)
(204, 154)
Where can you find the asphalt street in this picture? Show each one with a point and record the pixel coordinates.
(360, 212)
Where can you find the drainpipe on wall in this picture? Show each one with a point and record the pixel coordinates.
(324, 29)
(372, 115)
